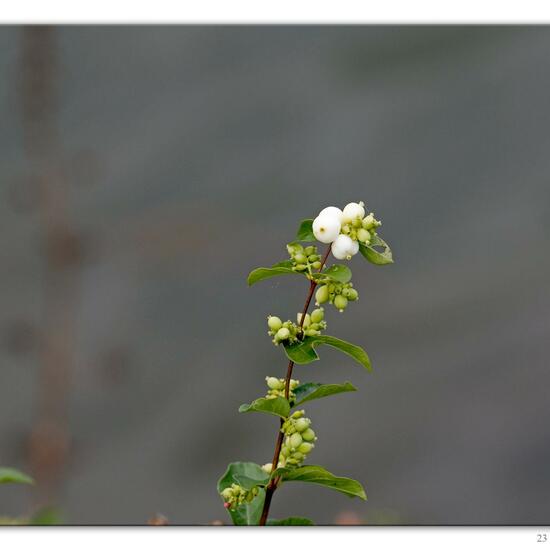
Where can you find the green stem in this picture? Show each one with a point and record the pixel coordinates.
(272, 485)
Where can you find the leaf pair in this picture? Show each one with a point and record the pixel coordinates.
(303, 352)
(305, 392)
(249, 475)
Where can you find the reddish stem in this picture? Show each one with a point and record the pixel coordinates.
(272, 485)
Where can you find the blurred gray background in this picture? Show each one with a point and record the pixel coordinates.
(145, 170)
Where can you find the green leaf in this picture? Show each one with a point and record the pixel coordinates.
(248, 473)
(312, 390)
(11, 475)
(337, 272)
(320, 476)
(377, 257)
(278, 406)
(46, 516)
(289, 521)
(303, 353)
(305, 231)
(262, 273)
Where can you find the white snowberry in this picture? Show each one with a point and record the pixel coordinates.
(332, 211)
(343, 248)
(353, 211)
(326, 228)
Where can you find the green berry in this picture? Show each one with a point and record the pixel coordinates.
(317, 315)
(300, 258)
(308, 250)
(322, 294)
(274, 323)
(274, 383)
(308, 435)
(305, 448)
(340, 303)
(352, 294)
(316, 265)
(368, 222)
(363, 235)
(302, 424)
(295, 440)
(283, 333)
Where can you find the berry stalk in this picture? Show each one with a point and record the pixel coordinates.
(272, 486)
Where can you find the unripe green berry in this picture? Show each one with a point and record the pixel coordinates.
(298, 414)
(274, 383)
(300, 258)
(308, 250)
(305, 448)
(302, 424)
(301, 267)
(352, 294)
(298, 456)
(340, 303)
(274, 323)
(283, 333)
(295, 440)
(317, 315)
(316, 265)
(363, 235)
(321, 296)
(308, 435)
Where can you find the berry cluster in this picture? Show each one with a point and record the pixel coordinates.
(235, 496)
(345, 229)
(290, 332)
(298, 442)
(277, 387)
(303, 259)
(338, 294)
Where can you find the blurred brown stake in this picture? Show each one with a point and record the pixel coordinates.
(49, 442)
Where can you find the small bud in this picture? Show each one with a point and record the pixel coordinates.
(301, 267)
(308, 250)
(369, 221)
(267, 468)
(227, 493)
(274, 323)
(322, 294)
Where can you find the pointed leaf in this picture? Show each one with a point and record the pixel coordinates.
(305, 231)
(262, 273)
(278, 406)
(289, 521)
(320, 476)
(377, 257)
(312, 390)
(247, 473)
(303, 353)
(337, 272)
(11, 475)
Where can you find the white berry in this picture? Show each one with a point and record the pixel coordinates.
(343, 248)
(353, 211)
(326, 228)
(332, 211)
